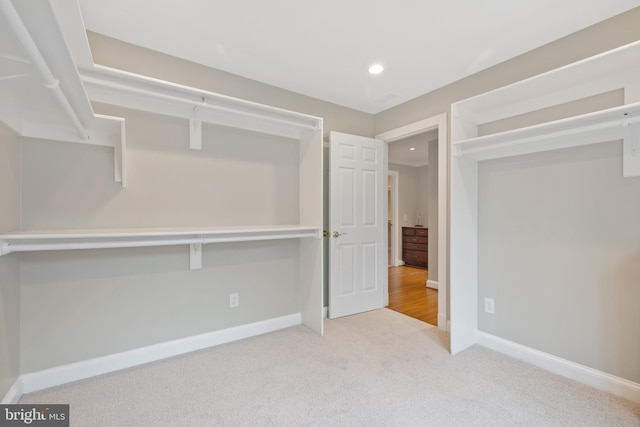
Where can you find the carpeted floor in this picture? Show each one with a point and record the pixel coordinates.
(379, 368)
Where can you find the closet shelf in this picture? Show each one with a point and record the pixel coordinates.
(598, 74)
(32, 241)
(610, 124)
(130, 90)
(607, 72)
(614, 70)
(42, 94)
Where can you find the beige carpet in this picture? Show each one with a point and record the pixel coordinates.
(374, 369)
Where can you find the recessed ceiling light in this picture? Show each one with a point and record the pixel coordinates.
(376, 69)
(412, 149)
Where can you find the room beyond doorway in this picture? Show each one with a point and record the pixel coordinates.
(409, 295)
(439, 279)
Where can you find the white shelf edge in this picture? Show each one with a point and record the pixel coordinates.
(229, 232)
(605, 124)
(129, 238)
(596, 74)
(68, 115)
(130, 90)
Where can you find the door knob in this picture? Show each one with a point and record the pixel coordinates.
(336, 234)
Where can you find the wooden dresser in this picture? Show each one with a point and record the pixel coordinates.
(415, 246)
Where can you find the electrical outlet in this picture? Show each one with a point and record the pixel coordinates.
(489, 306)
(234, 300)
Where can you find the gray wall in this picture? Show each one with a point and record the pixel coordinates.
(78, 305)
(559, 251)
(9, 267)
(558, 235)
(417, 188)
(410, 190)
(82, 304)
(148, 295)
(238, 178)
(422, 194)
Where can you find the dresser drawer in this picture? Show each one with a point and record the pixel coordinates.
(415, 239)
(415, 247)
(421, 232)
(415, 257)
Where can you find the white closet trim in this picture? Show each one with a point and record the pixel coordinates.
(43, 96)
(125, 89)
(103, 239)
(606, 72)
(610, 124)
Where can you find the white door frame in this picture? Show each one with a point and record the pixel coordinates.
(438, 122)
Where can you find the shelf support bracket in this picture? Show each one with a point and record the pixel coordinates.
(195, 130)
(631, 151)
(195, 256)
(120, 152)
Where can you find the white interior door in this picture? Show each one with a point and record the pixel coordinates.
(357, 219)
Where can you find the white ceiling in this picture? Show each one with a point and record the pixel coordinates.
(400, 151)
(324, 48)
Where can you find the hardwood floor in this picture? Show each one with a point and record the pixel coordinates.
(409, 295)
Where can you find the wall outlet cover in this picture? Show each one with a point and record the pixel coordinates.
(489, 306)
(234, 300)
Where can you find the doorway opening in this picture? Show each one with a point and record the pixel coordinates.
(436, 217)
(412, 212)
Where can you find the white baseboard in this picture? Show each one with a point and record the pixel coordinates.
(589, 376)
(14, 394)
(101, 365)
(432, 284)
(443, 323)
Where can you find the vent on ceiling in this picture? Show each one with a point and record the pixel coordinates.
(385, 99)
